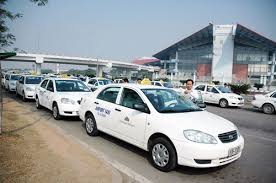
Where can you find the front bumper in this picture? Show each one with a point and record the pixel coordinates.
(12, 87)
(236, 102)
(30, 94)
(215, 154)
(69, 109)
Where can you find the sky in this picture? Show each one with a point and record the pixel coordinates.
(125, 30)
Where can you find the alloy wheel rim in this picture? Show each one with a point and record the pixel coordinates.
(36, 102)
(160, 155)
(89, 125)
(267, 109)
(55, 111)
(223, 103)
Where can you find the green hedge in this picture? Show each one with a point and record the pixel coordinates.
(240, 88)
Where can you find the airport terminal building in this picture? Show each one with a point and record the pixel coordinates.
(225, 53)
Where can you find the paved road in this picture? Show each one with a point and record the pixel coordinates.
(257, 163)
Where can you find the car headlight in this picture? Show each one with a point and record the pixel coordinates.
(29, 89)
(67, 101)
(238, 132)
(199, 137)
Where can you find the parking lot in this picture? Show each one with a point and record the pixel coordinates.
(257, 163)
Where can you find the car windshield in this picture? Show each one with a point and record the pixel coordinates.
(223, 89)
(169, 101)
(104, 81)
(33, 80)
(71, 86)
(15, 77)
(168, 85)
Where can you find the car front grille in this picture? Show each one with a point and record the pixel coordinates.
(228, 136)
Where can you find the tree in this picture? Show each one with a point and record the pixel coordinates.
(7, 38)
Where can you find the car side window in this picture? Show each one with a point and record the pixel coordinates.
(209, 88)
(129, 98)
(273, 95)
(200, 87)
(50, 86)
(92, 81)
(109, 94)
(158, 84)
(214, 90)
(21, 80)
(44, 83)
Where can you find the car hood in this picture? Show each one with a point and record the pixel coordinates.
(12, 82)
(73, 95)
(32, 86)
(199, 120)
(231, 94)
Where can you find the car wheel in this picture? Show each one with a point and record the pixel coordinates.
(223, 103)
(268, 109)
(91, 125)
(162, 154)
(24, 97)
(55, 111)
(37, 103)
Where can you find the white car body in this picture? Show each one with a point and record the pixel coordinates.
(211, 94)
(139, 128)
(67, 102)
(10, 82)
(269, 99)
(26, 90)
(95, 83)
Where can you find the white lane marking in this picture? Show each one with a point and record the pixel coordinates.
(119, 166)
(259, 137)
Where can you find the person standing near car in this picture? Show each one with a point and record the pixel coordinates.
(189, 91)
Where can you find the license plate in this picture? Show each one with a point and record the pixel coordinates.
(234, 151)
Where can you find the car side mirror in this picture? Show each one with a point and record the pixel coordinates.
(141, 107)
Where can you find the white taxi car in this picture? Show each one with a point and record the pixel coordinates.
(159, 120)
(62, 96)
(10, 81)
(26, 85)
(219, 95)
(265, 102)
(95, 83)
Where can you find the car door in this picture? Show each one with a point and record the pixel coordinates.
(41, 92)
(131, 122)
(214, 95)
(105, 108)
(49, 94)
(201, 88)
(273, 99)
(208, 94)
(19, 85)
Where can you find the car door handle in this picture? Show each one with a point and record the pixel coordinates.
(116, 109)
(96, 103)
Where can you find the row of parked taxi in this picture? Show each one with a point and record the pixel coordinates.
(173, 129)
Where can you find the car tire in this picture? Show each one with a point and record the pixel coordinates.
(268, 109)
(91, 125)
(162, 154)
(55, 112)
(37, 103)
(23, 96)
(223, 103)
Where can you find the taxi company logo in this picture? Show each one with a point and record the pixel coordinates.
(102, 111)
(230, 137)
